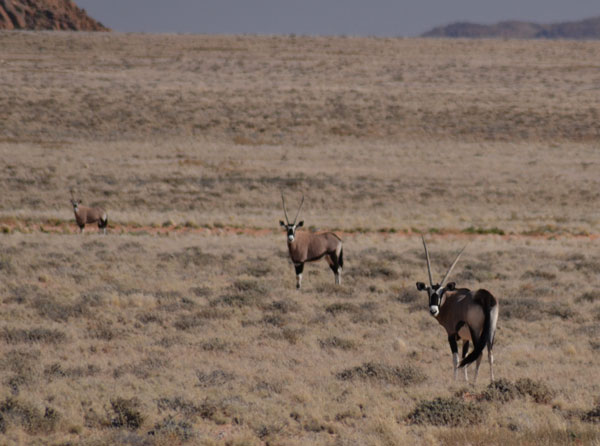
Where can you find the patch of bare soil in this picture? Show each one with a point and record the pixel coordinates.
(55, 226)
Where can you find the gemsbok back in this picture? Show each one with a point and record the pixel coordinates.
(467, 315)
(86, 215)
(309, 247)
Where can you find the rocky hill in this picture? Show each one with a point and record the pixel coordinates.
(46, 15)
(582, 29)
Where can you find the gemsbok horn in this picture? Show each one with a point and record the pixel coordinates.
(467, 315)
(309, 247)
(86, 215)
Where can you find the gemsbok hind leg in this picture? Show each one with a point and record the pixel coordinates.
(477, 364)
(465, 350)
(454, 348)
(299, 268)
(332, 260)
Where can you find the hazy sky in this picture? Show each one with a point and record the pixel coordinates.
(324, 17)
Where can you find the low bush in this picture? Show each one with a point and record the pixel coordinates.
(34, 335)
(403, 376)
(126, 413)
(27, 416)
(446, 412)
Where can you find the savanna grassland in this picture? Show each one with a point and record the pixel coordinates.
(183, 326)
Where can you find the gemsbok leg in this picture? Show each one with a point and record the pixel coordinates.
(332, 260)
(299, 268)
(465, 350)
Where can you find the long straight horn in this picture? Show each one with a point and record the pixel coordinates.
(300, 207)
(428, 262)
(71, 191)
(287, 220)
(452, 267)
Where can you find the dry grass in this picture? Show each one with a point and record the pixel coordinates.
(183, 325)
(202, 351)
(205, 130)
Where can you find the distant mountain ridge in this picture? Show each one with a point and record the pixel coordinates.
(46, 15)
(514, 29)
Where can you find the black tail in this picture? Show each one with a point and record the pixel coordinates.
(341, 259)
(487, 301)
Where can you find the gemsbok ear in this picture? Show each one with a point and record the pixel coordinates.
(281, 223)
(420, 286)
(300, 224)
(451, 286)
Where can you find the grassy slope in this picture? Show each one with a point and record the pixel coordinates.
(201, 337)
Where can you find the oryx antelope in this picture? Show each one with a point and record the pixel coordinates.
(309, 247)
(467, 315)
(86, 215)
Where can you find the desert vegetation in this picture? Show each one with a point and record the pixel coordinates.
(183, 324)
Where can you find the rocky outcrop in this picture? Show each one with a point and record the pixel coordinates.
(46, 15)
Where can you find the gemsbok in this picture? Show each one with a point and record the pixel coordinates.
(309, 247)
(86, 215)
(467, 315)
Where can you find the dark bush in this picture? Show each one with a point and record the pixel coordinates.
(403, 376)
(250, 287)
(501, 390)
(283, 306)
(524, 309)
(201, 291)
(408, 296)
(539, 391)
(537, 274)
(170, 428)
(102, 330)
(593, 416)
(56, 371)
(215, 345)
(331, 289)
(335, 342)
(49, 308)
(561, 310)
(24, 293)
(34, 335)
(193, 256)
(276, 320)
(126, 413)
(257, 268)
(371, 268)
(188, 321)
(214, 378)
(27, 416)
(342, 307)
(590, 296)
(446, 412)
(242, 293)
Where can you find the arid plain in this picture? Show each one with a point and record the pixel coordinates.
(183, 326)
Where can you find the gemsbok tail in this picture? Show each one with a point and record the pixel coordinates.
(341, 259)
(490, 311)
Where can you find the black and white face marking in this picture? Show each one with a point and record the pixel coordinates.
(75, 204)
(435, 293)
(291, 229)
